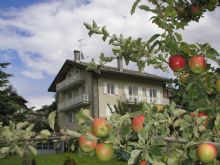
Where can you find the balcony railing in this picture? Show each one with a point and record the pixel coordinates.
(156, 100)
(83, 98)
(69, 81)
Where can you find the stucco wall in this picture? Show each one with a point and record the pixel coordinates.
(104, 99)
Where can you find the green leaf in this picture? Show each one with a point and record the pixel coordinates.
(179, 112)
(192, 154)
(145, 8)
(90, 33)
(179, 37)
(217, 119)
(33, 150)
(72, 147)
(4, 150)
(21, 125)
(172, 106)
(19, 150)
(124, 118)
(51, 119)
(73, 133)
(201, 120)
(133, 157)
(191, 144)
(154, 37)
(30, 127)
(91, 137)
(94, 25)
(188, 118)
(134, 6)
(157, 163)
(88, 26)
(155, 151)
(178, 122)
(104, 31)
(45, 133)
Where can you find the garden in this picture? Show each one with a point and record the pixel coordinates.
(185, 132)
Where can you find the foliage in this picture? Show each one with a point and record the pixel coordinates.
(193, 92)
(40, 121)
(8, 97)
(70, 160)
(172, 132)
(20, 138)
(155, 50)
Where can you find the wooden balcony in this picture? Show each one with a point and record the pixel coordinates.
(81, 100)
(68, 82)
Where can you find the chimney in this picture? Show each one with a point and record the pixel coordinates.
(77, 55)
(120, 64)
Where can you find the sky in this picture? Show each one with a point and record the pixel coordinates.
(37, 36)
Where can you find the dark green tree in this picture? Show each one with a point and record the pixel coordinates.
(8, 101)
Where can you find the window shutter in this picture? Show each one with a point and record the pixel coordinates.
(147, 92)
(66, 117)
(73, 117)
(140, 93)
(105, 88)
(158, 93)
(116, 89)
(126, 90)
(148, 95)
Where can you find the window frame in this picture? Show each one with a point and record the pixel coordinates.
(110, 88)
(132, 87)
(70, 118)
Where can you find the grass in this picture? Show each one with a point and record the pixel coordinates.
(57, 159)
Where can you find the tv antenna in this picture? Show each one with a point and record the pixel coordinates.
(80, 46)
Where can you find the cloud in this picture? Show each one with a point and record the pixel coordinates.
(32, 74)
(39, 101)
(45, 34)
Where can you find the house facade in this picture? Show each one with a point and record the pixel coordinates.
(76, 88)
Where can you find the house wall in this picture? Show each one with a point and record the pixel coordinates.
(94, 85)
(61, 98)
(105, 99)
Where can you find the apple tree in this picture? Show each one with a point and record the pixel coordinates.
(193, 116)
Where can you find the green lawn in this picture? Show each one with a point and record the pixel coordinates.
(58, 160)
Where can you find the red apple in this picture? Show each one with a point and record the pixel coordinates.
(201, 114)
(177, 63)
(104, 151)
(218, 85)
(101, 127)
(86, 145)
(137, 123)
(143, 162)
(197, 64)
(196, 11)
(206, 152)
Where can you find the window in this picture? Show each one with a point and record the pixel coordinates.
(76, 93)
(70, 117)
(132, 90)
(144, 91)
(76, 73)
(73, 73)
(110, 88)
(69, 95)
(153, 93)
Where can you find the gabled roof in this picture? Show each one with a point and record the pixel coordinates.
(105, 69)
